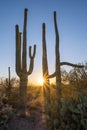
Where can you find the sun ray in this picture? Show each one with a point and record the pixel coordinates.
(40, 81)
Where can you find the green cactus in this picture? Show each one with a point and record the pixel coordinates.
(57, 54)
(21, 64)
(57, 72)
(8, 84)
(44, 56)
(46, 85)
(9, 77)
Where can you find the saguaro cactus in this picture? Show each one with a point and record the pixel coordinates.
(21, 64)
(44, 55)
(8, 83)
(57, 72)
(57, 54)
(9, 80)
(46, 85)
(9, 77)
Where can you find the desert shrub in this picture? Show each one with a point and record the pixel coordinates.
(68, 91)
(78, 78)
(14, 98)
(72, 114)
(34, 98)
(6, 114)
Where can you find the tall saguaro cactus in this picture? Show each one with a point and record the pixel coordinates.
(57, 72)
(21, 64)
(57, 54)
(44, 55)
(46, 85)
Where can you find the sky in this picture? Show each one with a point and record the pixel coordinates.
(72, 25)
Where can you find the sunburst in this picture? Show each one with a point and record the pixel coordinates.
(41, 81)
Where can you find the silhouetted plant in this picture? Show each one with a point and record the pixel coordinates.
(58, 64)
(78, 78)
(21, 64)
(44, 56)
(8, 83)
(45, 64)
(46, 84)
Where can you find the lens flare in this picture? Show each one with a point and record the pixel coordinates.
(40, 81)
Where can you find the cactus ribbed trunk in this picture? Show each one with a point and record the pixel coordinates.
(9, 77)
(46, 85)
(9, 83)
(23, 91)
(57, 64)
(44, 56)
(24, 77)
(21, 64)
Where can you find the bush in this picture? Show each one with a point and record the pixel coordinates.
(72, 114)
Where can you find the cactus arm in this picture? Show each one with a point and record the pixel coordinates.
(71, 64)
(31, 59)
(65, 63)
(24, 52)
(34, 52)
(52, 75)
(18, 51)
(31, 66)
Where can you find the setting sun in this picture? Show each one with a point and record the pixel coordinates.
(40, 81)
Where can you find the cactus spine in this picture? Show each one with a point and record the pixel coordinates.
(21, 64)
